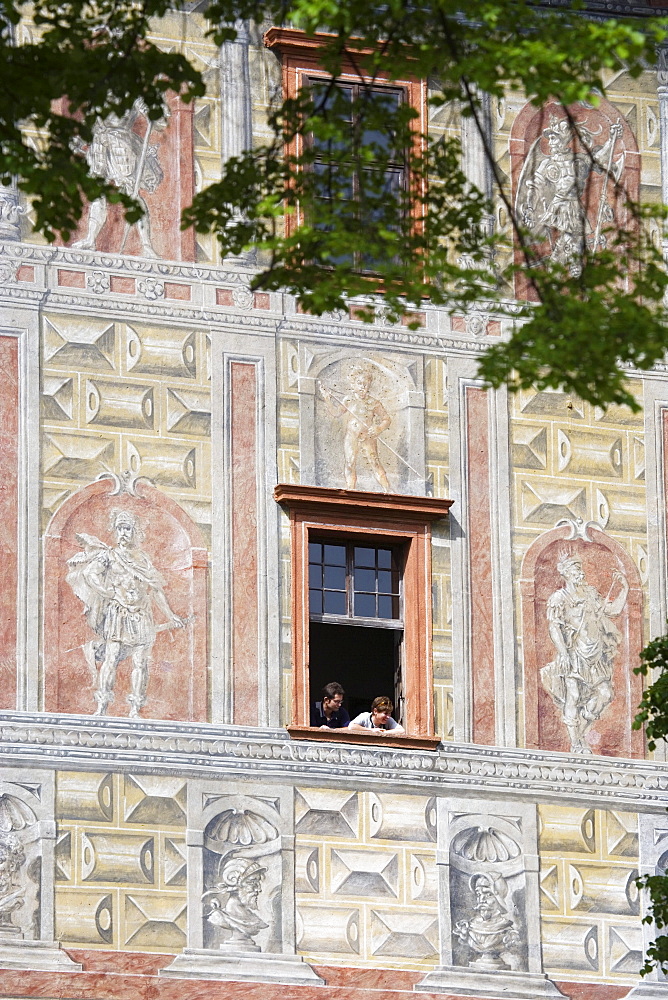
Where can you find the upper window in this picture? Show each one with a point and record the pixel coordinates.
(346, 181)
(362, 107)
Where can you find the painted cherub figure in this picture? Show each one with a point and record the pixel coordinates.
(365, 420)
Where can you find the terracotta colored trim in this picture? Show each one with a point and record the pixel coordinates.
(406, 742)
(244, 583)
(391, 505)
(400, 520)
(9, 505)
(480, 566)
(358, 984)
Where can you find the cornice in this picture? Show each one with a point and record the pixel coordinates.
(149, 310)
(12, 294)
(36, 254)
(392, 506)
(71, 742)
(331, 329)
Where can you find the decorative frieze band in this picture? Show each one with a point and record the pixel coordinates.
(67, 741)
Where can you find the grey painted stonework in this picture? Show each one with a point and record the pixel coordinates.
(27, 843)
(488, 902)
(241, 902)
(653, 839)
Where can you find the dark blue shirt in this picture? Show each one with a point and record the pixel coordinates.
(337, 720)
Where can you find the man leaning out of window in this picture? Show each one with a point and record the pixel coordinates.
(328, 712)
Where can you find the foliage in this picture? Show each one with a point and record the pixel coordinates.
(657, 952)
(431, 239)
(653, 709)
(653, 714)
(79, 61)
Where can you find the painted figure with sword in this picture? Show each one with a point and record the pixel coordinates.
(118, 586)
(365, 419)
(552, 197)
(122, 157)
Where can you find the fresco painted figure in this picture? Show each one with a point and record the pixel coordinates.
(118, 586)
(12, 896)
(552, 200)
(119, 155)
(366, 419)
(493, 930)
(586, 641)
(240, 885)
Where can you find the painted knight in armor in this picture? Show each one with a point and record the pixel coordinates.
(586, 641)
(551, 196)
(119, 155)
(118, 586)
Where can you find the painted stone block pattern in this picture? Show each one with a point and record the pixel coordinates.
(590, 904)
(125, 398)
(121, 861)
(366, 879)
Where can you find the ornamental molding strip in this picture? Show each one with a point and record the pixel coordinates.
(437, 336)
(69, 741)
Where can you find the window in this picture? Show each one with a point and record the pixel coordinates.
(360, 191)
(355, 621)
(301, 69)
(361, 600)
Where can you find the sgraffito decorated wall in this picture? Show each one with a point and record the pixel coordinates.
(161, 831)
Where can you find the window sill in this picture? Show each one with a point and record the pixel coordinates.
(398, 742)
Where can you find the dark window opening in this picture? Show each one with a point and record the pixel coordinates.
(356, 622)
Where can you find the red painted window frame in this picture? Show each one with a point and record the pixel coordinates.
(386, 518)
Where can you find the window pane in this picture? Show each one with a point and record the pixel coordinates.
(365, 579)
(335, 577)
(384, 581)
(315, 602)
(333, 97)
(335, 555)
(365, 605)
(315, 552)
(332, 184)
(315, 575)
(335, 603)
(384, 558)
(365, 557)
(333, 103)
(382, 103)
(385, 609)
